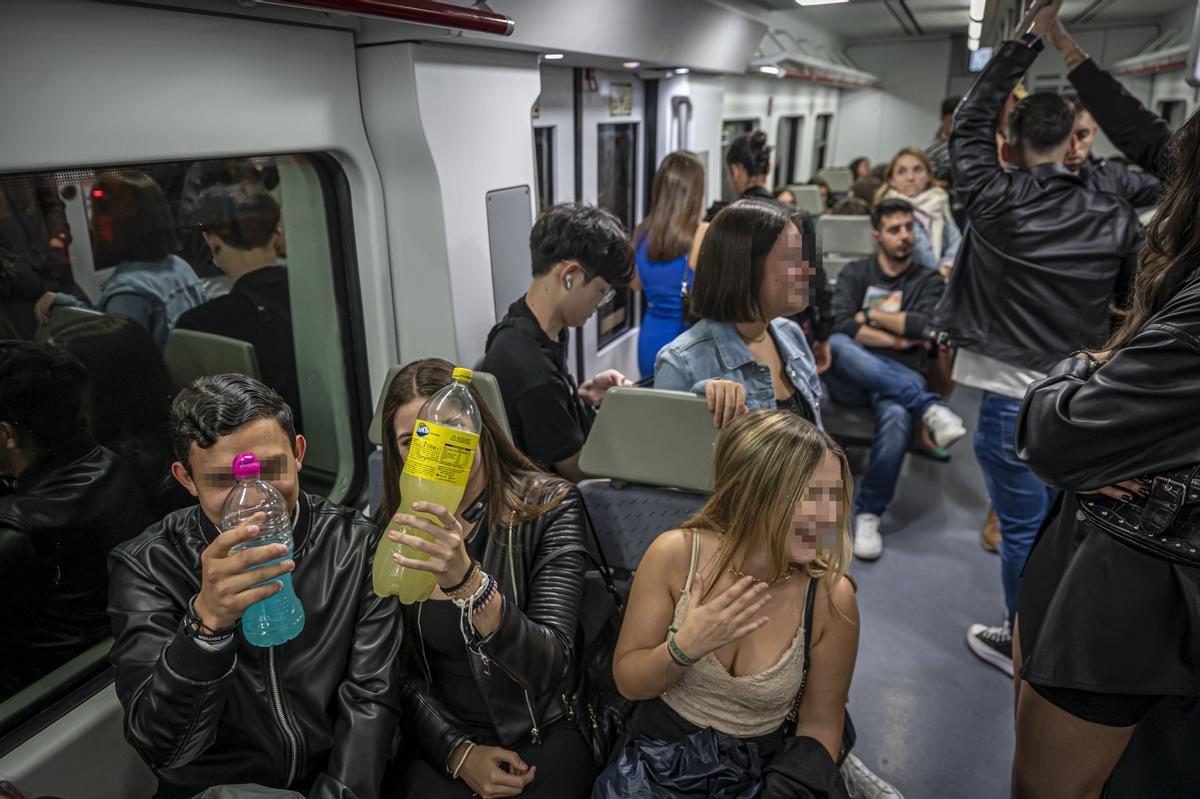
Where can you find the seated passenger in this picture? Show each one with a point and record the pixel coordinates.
(860, 168)
(132, 227)
(71, 501)
(823, 187)
(34, 236)
(241, 226)
(910, 177)
(851, 206)
(202, 706)
(127, 403)
(754, 269)
(743, 620)
(866, 189)
(881, 308)
(478, 729)
(783, 194)
(581, 255)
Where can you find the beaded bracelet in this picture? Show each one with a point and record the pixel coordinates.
(490, 590)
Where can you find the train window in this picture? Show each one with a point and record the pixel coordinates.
(730, 130)
(617, 192)
(543, 154)
(154, 274)
(787, 151)
(821, 141)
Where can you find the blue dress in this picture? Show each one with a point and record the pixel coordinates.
(663, 320)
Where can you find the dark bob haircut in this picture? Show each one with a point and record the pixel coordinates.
(132, 220)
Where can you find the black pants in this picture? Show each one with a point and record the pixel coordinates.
(564, 770)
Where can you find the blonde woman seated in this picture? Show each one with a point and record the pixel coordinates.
(909, 177)
(715, 634)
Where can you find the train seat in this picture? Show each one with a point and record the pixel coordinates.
(842, 239)
(838, 178)
(808, 198)
(190, 354)
(849, 426)
(488, 388)
(652, 454)
(61, 316)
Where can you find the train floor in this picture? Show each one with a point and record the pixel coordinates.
(931, 717)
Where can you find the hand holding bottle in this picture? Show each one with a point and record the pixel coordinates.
(229, 581)
(448, 558)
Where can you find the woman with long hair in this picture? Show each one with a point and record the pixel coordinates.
(1106, 631)
(909, 176)
(667, 243)
(133, 230)
(754, 270)
(484, 710)
(127, 402)
(715, 632)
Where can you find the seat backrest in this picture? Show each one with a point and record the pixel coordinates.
(191, 354)
(808, 198)
(61, 316)
(485, 384)
(628, 517)
(845, 235)
(652, 437)
(838, 178)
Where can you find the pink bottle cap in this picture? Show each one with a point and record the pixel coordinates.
(246, 466)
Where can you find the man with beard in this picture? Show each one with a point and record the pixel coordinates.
(1140, 189)
(881, 309)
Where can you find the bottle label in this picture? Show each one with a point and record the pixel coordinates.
(441, 453)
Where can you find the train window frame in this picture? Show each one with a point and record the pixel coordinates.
(788, 144)
(619, 313)
(821, 140)
(544, 143)
(53, 695)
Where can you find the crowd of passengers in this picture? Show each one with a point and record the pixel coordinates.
(737, 644)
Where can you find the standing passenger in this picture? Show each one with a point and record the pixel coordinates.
(1022, 299)
(667, 243)
(502, 729)
(581, 255)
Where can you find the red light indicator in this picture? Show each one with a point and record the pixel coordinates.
(97, 193)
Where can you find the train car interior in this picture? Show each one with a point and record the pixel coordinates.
(408, 147)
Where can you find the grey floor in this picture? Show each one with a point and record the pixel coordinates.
(932, 718)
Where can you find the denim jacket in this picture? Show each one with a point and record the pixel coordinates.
(152, 293)
(923, 247)
(714, 351)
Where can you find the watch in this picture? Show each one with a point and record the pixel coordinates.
(195, 629)
(867, 317)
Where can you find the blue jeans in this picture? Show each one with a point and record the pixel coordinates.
(897, 394)
(1020, 499)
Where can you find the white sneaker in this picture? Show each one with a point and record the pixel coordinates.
(862, 783)
(868, 543)
(992, 645)
(945, 426)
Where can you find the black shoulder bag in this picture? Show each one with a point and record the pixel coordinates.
(1165, 524)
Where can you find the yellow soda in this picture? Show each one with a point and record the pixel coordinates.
(445, 438)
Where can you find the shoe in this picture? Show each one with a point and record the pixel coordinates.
(991, 532)
(862, 783)
(945, 426)
(868, 543)
(992, 645)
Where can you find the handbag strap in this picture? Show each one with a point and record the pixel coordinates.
(810, 597)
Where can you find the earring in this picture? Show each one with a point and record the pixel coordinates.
(568, 281)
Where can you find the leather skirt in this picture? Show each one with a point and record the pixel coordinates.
(1096, 614)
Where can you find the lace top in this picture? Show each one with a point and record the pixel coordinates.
(746, 706)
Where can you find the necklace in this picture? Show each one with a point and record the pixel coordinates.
(791, 570)
(752, 340)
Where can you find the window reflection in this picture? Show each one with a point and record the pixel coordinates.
(617, 173)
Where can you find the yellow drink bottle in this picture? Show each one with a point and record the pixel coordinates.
(444, 441)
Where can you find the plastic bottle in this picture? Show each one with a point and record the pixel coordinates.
(444, 441)
(279, 617)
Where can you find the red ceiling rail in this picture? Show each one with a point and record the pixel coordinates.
(793, 74)
(420, 12)
(1152, 69)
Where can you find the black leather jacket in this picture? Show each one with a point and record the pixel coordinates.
(1139, 189)
(57, 525)
(1136, 415)
(526, 665)
(316, 714)
(1043, 255)
(1140, 134)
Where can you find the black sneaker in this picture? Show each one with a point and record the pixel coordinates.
(992, 645)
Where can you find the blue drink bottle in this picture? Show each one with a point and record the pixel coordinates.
(280, 617)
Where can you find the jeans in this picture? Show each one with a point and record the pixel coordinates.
(897, 394)
(1020, 499)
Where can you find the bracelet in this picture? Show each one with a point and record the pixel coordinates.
(489, 593)
(461, 760)
(677, 654)
(461, 584)
(1092, 362)
(1075, 58)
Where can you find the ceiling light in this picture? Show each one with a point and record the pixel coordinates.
(769, 70)
(820, 2)
(977, 9)
(682, 71)
(974, 29)
(631, 64)
(972, 44)
(553, 57)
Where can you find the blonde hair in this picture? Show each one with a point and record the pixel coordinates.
(915, 152)
(764, 463)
